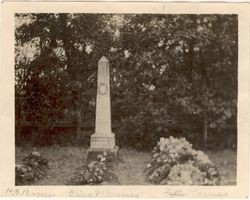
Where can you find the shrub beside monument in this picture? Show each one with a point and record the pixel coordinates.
(175, 162)
(95, 172)
(33, 167)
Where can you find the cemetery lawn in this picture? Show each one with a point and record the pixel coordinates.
(64, 161)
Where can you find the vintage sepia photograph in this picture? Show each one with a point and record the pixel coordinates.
(125, 99)
(135, 101)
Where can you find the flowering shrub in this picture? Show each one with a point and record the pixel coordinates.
(185, 174)
(24, 174)
(33, 167)
(95, 172)
(176, 162)
(105, 157)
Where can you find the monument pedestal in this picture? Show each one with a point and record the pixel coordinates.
(93, 152)
(100, 143)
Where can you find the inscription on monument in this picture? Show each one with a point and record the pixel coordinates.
(103, 89)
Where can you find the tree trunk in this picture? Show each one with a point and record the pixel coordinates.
(78, 105)
(205, 131)
(18, 121)
(205, 86)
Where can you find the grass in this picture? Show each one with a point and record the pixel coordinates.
(64, 161)
(226, 161)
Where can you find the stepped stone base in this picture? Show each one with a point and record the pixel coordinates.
(93, 152)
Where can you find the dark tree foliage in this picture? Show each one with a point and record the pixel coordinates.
(170, 74)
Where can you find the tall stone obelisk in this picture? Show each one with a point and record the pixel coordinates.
(103, 139)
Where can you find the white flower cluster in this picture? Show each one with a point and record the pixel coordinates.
(185, 174)
(174, 149)
(202, 158)
(95, 172)
(36, 154)
(23, 170)
(173, 158)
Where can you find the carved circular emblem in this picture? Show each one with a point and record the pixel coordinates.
(103, 89)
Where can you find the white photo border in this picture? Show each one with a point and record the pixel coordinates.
(7, 146)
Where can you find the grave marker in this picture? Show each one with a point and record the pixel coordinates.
(103, 139)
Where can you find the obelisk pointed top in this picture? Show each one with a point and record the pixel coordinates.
(103, 59)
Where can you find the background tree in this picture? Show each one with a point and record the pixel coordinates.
(170, 74)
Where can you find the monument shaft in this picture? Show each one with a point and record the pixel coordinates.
(103, 111)
(103, 138)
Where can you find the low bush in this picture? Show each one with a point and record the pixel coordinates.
(32, 168)
(95, 172)
(175, 162)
